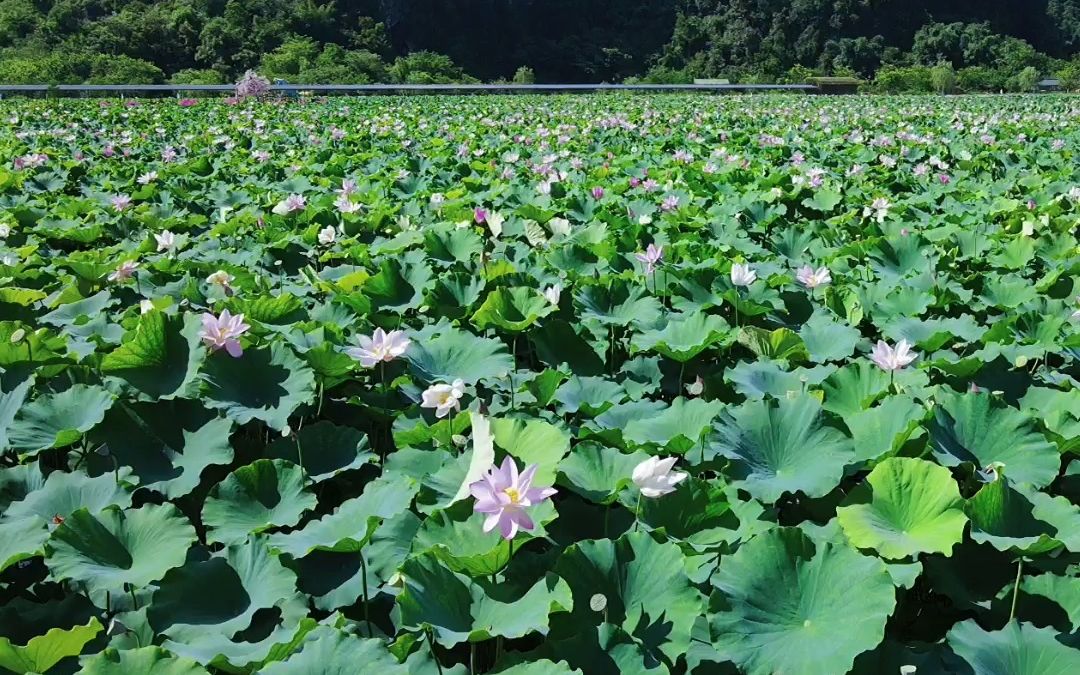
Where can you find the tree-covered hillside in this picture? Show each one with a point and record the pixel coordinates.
(557, 40)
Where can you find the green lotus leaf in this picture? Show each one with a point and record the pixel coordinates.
(533, 442)
(1016, 649)
(455, 354)
(905, 507)
(781, 344)
(782, 448)
(141, 661)
(166, 445)
(644, 587)
(467, 610)
(1061, 590)
(64, 493)
(1006, 520)
(11, 400)
(827, 339)
(973, 428)
(854, 388)
(349, 527)
(264, 494)
(267, 385)
(43, 652)
(512, 309)
(598, 472)
(332, 652)
(21, 539)
(790, 607)
(272, 309)
(590, 395)
(559, 345)
(683, 337)
(398, 287)
(210, 600)
(330, 449)
(677, 428)
(757, 379)
(115, 548)
(160, 358)
(58, 420)
(619, 305)
(540, 667)
(881, 430)
(697, 513)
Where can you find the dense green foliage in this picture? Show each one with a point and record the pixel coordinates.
(851, 322)
(560, 40)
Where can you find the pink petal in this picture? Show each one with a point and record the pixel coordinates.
(234, 349)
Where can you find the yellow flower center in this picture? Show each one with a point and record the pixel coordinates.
(513, 494)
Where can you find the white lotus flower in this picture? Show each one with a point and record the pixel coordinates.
(655, 478)
(812, 278)
(380, 347)
(553, 293)
(166, 241)
(742, 274)
(890, 358)
(327, 235)
(443, 397)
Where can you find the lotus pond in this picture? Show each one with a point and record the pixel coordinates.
(535, 385)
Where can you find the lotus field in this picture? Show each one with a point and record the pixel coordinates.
(534, 385)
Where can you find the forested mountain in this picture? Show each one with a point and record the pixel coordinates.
(559, 40)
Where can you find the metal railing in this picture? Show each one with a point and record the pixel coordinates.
(375, 89)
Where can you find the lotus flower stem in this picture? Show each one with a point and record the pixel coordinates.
(472, 658)
(363, 571)
(637, 512)
(431, 646)
(1016, 588)
(682, 373)
(737, 298)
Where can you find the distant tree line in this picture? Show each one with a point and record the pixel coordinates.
(897, 45)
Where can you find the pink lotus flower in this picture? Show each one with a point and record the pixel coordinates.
(811, 278)
(598, 193)
(380, 347)
(120, 202)
(290, 204)
(480, 216)
(892, 359)
(221, 331)
(503, 495)
(651, 258)
(670, 203)
(125, 271)
(187, 102)
(443, 397)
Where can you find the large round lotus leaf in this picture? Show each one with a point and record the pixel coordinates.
(683, 337)
(541, 667)
(1007, 520)
(781, 448)
(220, 595)
(973, 428)
(644, 587)
(455, 354)
(854, 388)
(512, 309)
(1016, 649)
(697, 512)
(881, 430)
(905, 507)
(141, 661)
(167, 445)
(261, 385)
(332, 652)
(1061, 590)
(264, 494)
(160, 358)
(678, 428)
(323, 449)
(12, 397)
(792, 609)
(598, 472)
(617, 305)
(533, 442)
(113, 548)
(66, 492)
(58, 420)
(466, 610)
(21, 539)
(781, 344)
